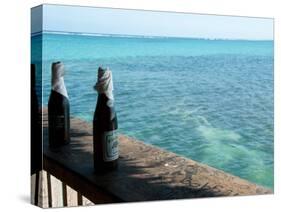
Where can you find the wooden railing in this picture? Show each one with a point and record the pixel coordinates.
(145, 172)
(48, 191)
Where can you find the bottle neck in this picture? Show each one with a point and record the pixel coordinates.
(104, 83)
(59, 87)
(105, 108)
(57, 79)
(103, 100)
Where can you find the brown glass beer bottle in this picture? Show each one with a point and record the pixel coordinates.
(105, 124)
(36, 130)
(58, 108)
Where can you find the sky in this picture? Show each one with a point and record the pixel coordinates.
(149, 23)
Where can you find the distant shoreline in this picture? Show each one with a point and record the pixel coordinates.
(137, 36)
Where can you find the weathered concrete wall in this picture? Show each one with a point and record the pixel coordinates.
(145, 172)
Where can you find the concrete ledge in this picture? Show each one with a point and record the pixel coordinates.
(145, 172)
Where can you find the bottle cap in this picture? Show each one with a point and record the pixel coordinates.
(104, 83)
(57, 78)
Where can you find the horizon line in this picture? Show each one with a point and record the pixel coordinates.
(92, 34)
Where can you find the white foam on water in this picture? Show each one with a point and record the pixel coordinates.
(216, 134)
(183, 113)
(222, 147)
(219, 149)
(202, 120)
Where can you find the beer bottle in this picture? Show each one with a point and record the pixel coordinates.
(58, 108)
(105, 124)
(36, 138)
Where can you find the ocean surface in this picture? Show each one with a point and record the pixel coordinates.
(208, 100)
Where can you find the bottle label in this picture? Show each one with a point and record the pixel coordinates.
(110, 146)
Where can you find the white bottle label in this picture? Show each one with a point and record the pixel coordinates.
(110, 146)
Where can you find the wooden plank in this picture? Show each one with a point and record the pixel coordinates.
(71, 197)
(86, 202)
(56, 189)
(32, 189)
(43, 190)
(145, 172)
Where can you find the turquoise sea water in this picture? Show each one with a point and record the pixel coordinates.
(209, 100)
